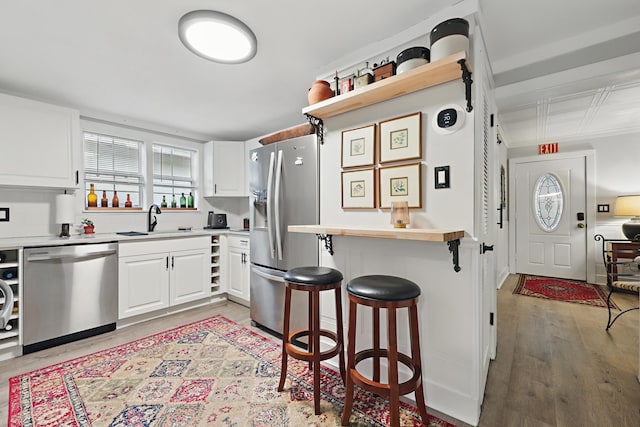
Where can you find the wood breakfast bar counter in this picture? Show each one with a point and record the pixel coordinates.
(325, 233)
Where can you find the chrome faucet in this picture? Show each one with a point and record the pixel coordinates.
(153, 224)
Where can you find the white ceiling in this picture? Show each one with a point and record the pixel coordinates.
(122, 61)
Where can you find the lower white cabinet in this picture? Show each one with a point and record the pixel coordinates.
(238, 268)
(156, 274)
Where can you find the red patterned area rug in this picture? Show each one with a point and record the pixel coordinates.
(562, 290)
(209, 373)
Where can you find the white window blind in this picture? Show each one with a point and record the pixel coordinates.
(173, 174)
(113, 164)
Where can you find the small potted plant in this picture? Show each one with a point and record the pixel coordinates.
(88, 226)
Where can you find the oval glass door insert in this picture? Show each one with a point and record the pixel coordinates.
(548, 202)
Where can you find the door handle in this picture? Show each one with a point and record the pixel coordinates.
(485, 248)
(581, 225)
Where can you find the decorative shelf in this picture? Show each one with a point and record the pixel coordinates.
(444, 70)
(326, 233)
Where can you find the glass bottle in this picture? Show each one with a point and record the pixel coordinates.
(104, 202)
(128, 203)
(92, 197)
(190, 200)
(173, 201)
(164, 202)
(115, 202)
(183, 201)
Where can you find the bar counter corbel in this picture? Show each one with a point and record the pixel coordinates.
(325, 233)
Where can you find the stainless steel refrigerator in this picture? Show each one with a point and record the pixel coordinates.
(284, 186)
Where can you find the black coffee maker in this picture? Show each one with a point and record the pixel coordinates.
(215, 220)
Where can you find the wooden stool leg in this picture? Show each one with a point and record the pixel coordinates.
(351, 352)
(417, 360)
(310, 326)
(316, 347)
(285, 336)
(376, 344)
(340, 332)
(392, 354)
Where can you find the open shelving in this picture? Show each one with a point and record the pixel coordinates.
(215, 264)
(447, 69)
(10, 339)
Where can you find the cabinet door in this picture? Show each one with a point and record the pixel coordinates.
(143, 284)
(225, 169)
(235, 282)
(189, 275)
(40, 144)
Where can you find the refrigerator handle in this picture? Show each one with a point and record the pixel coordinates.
(269, 202)
(277, 205)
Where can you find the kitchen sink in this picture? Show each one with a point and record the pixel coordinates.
(132, 233)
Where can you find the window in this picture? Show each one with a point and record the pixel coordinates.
(173, 176)
(548, 201)
(113, 164)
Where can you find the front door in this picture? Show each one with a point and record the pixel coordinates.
(550, 202)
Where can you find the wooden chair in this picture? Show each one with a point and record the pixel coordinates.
(621, 260)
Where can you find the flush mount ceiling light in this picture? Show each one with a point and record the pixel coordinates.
(217, 37)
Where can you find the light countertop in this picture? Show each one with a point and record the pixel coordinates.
(75, 239)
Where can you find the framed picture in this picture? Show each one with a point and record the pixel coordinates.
(358, 146)
(401, 138)
(359, 189)
(401, 183)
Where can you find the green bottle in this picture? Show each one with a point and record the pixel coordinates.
(164, 202)
(173, 201)
(190, 200)
(183, 201)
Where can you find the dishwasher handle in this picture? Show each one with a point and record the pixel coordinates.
(46, 256)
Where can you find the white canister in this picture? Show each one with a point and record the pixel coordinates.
(449, 37)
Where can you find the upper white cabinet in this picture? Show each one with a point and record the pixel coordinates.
(40, 144)
(224, 169)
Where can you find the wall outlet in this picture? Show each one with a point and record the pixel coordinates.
(603, 208)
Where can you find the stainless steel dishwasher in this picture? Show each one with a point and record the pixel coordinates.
(69, 292)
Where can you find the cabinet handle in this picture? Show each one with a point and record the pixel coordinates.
(215, 188)
(77, 177)
(167, 266)
(172, 257)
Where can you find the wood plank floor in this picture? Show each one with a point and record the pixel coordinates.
(555, 364)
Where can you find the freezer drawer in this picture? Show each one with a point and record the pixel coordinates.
(267, 301)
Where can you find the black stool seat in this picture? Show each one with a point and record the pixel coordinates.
(383, 288)
(313, 275)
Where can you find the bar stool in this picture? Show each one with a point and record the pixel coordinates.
(312, 280)
(391, 293)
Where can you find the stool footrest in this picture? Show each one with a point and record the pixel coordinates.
(307, 356)
(380, 388)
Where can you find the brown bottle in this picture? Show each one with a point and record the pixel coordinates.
(92, 197)
(104, 202)
(115, 202)
(127, 204)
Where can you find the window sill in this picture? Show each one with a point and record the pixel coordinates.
(134, 209)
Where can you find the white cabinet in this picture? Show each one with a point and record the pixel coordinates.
(40, 144)
(224, 169)
(155, 274)
(143, 283)
(238, 268)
